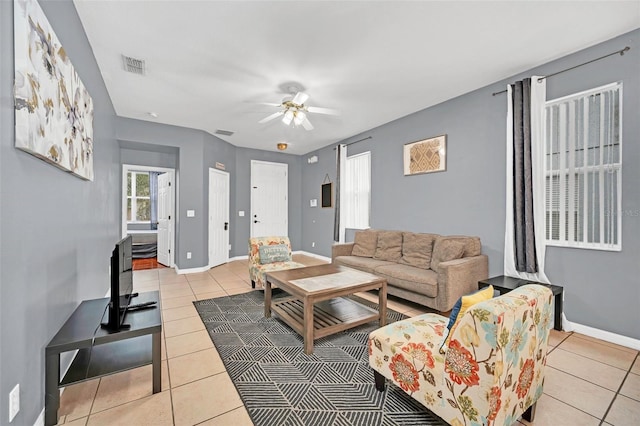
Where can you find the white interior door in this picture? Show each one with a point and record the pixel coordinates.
(218, 217)
(269, 199)
(165, 217)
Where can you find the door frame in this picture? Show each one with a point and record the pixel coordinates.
(228, 177)
(251, 202)
(123, 199)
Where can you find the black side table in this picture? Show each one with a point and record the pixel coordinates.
(100, 351)
(505, 284)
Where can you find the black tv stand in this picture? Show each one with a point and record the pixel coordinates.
(102, 351)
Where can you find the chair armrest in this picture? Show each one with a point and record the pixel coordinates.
(342, 249)
(459, 277)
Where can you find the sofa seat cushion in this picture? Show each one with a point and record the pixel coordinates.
(418, 280)
(365, 264)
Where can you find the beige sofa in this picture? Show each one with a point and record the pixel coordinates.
(429, 269)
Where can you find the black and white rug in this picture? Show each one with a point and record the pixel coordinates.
(281, 385)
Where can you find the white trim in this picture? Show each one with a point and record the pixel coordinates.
(174, 196)
(317, 256)
(40, 419)
(192, 270)
(607, 336)
(244, 257)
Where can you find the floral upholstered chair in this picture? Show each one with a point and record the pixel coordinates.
(268, 254)
(490, 372)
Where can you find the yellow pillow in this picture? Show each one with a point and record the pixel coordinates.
(467, 302)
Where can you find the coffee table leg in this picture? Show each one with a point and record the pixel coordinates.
(382, 305)
(308, 326)
(267, 299)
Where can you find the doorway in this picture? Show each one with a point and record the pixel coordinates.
(269, 199)
(218, 217)
(148, 206)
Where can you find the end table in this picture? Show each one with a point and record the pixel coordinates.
(505, 284)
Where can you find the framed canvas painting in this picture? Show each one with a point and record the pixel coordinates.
(53, 109)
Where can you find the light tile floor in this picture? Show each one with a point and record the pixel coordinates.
(588, 381)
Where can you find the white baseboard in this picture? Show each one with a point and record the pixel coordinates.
(607, 336)
(317, 256)
(192, 270)
(245, 257)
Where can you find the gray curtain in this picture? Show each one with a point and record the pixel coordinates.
(336, 217)
(524, 230)
(153, 195)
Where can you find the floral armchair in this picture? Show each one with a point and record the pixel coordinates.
(492, 370)
(268, 254)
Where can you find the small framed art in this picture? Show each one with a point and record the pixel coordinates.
(425, 156)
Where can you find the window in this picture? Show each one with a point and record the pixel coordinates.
(138, 197)
(583, 169)
(357, 187)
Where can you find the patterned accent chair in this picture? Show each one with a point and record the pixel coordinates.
(492, 370)
(258, 269)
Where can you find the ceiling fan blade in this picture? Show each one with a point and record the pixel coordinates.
(300, 98)
(307, 124)
(271, 117)
(318, 110)
(270, 104)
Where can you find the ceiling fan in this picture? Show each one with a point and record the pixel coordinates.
(293, 110)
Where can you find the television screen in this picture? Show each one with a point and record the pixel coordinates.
(121, 283)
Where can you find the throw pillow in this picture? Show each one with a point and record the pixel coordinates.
(364, 243)
(417, 249)
(389, 246)
(445, 250)
(274, 253)
(462, 306)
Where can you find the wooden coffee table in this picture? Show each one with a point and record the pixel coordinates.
(317, 307)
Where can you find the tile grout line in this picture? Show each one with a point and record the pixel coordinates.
(567, 404)
(606, 413)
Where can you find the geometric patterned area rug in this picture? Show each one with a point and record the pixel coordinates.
(281, 385)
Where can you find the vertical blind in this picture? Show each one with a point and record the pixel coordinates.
(583, 169)
(357, 187)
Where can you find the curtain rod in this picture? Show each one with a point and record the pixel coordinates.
(351, 143)
(620, 52)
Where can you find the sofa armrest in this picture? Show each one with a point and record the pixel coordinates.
(459, 277)
(342, 249)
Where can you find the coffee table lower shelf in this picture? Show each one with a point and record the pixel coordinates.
(329, 316)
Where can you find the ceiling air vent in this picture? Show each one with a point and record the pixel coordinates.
(224, 132)
(133, 65)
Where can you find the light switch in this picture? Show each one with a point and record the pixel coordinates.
(241, 213)
(191, 213)
(313, 203)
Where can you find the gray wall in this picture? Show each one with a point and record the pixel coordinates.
(601, 288)
(57, 231)
(243, 196)
(197, 151)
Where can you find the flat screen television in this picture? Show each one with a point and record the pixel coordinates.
(121, 284)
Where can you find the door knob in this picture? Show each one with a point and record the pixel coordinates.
(226, 226)
(256, 221)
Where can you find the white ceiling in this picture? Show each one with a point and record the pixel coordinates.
(210, 64)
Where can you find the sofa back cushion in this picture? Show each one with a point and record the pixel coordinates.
(417, 249)
(365, 243)
(445, 249)
(472, 245)
(389, 246)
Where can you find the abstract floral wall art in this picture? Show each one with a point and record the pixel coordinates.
(53, 109)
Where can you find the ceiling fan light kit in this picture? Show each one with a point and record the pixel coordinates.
(295, 111)
(281, 146)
